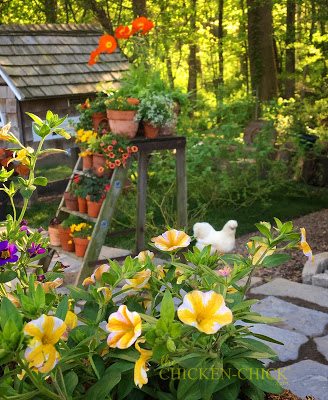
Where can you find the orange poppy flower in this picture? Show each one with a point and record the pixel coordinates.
(94, 57)
(107, 44)
(123, 32)
(142, 25)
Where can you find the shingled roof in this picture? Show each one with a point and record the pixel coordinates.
(50, 60)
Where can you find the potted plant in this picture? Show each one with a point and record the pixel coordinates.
(81, 236)
(121, 116)
(96, 188)
(53, 231)
(99, 116)
(155, 110)
(71, 201)
(84, 139)
(80, 191)
(66, 239)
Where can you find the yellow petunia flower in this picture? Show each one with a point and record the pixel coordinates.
(143, 255)
(124, 327)
(96, 276)
(260, 250)
(139, 281)
(13, 299)
(171, 240)
(206, 311)
(49, 286)
(46, 332)
(106, 292)
(6, 135)
(141, 368)
(71, 320)
(304, 245)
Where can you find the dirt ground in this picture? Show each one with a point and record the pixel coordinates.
(316, 225)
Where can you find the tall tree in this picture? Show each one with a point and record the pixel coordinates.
(100, 13)
(192, 58)
(261, 52)
(139, 8)
(220, 41)
(50, 11)
(290, 49)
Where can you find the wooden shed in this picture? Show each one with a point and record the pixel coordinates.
(44, 67)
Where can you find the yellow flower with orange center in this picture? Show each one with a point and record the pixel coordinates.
(96, 276)
(141, 368)
(124, 328)
(41, 353)
(304, 245)
(49, 286)
(143, 256)
(206, 311)
(139, 281)
(171, 240)
(6, 135)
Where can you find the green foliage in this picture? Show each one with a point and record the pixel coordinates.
(156, 109)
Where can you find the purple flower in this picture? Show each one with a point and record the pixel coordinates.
(8, 252)
(24, 228)
(40, 229)
(226, 271)
(40, 278)
(35, 249)
(24, 222)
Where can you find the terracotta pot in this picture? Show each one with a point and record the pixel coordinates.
(133, 101)
(99, 163)
(81, 245)
(54, 235)
(122, 122)
(151, 131)
(99, 121)
(83, 208)
(87, 162)
(66, 239)
(94, 208)
(71, 201)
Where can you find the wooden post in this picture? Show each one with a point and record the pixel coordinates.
(181, 180)
(143, 162)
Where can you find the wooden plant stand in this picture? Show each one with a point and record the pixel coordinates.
(103, 222)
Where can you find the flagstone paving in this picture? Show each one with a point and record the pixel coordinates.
(303, 360)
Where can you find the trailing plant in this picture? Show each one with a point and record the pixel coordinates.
(156, 109)
(95, 187)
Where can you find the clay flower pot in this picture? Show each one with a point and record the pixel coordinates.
(71, 201)
(99, 121)
(66, 239)
(83, 208)
(86, 162)
(133, 101)
(151, 131)
(81, 245)
(99, 163)
(123, 122)
(94, 207)
(54, 235)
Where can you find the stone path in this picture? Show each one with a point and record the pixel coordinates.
(303, 309)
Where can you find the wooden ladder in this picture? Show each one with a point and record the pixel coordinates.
(118, 179)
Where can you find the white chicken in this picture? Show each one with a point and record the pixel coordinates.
(221, 241)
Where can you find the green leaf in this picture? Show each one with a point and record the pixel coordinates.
(230, 392)
(256, 345)
(9, 311)
(27, 192)
(62, 133)
(254, 371)
(275, 260)
(62, 308)
(7, 276)
(253, 392)
(263, 229)
(167, 307)
(71, 380)
(253, 317)
(40, 181)
(39, 297)
(35, 118)
(267, 338)
(243, 305)
(78, 293)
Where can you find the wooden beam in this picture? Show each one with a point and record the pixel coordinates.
(181, 183)
(143, 162)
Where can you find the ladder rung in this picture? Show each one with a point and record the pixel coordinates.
(78, 214)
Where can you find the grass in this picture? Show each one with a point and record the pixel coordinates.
(54, 172)
(301, 201)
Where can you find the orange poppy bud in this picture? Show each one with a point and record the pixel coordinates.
(94, 57)
(107, 44)
(123, 32)
(142, 25)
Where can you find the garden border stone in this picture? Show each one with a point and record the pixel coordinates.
(317, 266)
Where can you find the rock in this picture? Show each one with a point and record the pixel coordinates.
(285, 288)
(292, 340)
(317, 266)
(320, 280)
(303, 320)
(305, 378)
(322, 345)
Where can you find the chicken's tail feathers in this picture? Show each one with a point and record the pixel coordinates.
(202, 229)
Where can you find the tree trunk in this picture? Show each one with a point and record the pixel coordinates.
(244, 67)
(139, 8)
(50, 10)
(192, 58)
(261, 52)
(290, 49)
(220, 42)
(100, 14)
